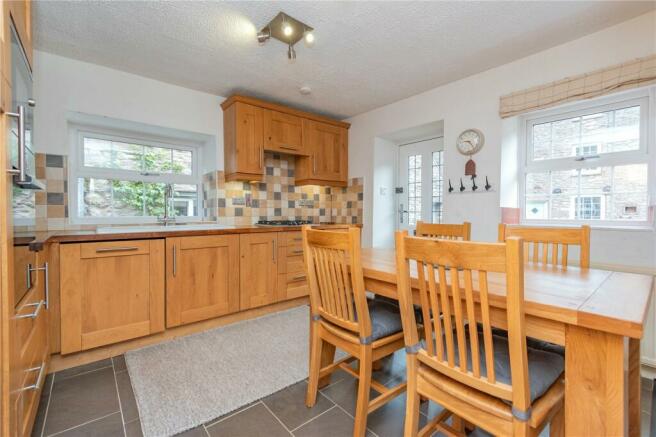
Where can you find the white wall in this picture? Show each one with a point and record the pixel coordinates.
(474, 102)
(63, 86)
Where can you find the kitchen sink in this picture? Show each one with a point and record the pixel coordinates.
(161, 228)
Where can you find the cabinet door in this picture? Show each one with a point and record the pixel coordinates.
(328, 151)
(283, 132)
(20, 12)
(243, 138)
(258, 269)
(202, 278)
(110, 292)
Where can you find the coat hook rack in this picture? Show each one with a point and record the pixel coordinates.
(450, 187)
(474, 186)
(462, 186)
(487, 184)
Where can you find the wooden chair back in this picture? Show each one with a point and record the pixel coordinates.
(335, 295)
(444, 231)
(546, 242)
(452, 282)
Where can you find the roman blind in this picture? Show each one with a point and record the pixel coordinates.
(633, 74)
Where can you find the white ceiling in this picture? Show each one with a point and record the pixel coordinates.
(367, 54)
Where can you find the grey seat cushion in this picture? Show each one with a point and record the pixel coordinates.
(534, 342)
(385, 318)
(544, 367)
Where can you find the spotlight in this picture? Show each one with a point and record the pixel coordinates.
(263, 35)
(308, 38)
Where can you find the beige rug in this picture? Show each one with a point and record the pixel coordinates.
(188, 381)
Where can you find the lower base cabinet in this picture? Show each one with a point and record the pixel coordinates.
(110, 292)
(258, 269)
(202, 278)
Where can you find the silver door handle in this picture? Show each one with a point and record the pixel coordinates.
(116, 249)
(175, 259)
(39, 379)
(21, 170)
(401, 212)
(35, 313)
(44, 269)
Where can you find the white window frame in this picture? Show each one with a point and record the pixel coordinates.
(645, 98)
(78, 170)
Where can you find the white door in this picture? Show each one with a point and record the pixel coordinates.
(420, 182)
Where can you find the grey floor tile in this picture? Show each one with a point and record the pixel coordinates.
(79, 399)
(332, 423)
(388, 420)
(126, 397)
(430, 409)
(40, 418)
(254, 421)
(199, 431)
(119, 363)
(289, 405)
(133, 429)
(73, 371)
(110, 426)
(345, 394)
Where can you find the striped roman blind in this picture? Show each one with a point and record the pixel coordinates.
(632, 74)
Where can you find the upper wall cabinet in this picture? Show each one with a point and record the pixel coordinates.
(327, 163)
(251, 126)
(283, 132)
(20, 13)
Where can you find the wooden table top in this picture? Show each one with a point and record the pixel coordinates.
(608, 301)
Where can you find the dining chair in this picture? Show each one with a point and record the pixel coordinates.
(341, 315)
(551, 239)
(444, 231)
(495, 383)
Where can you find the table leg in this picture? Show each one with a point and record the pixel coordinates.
(595, 383)
(634, 388)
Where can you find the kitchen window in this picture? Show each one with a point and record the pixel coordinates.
(122, 179)
(587, 165)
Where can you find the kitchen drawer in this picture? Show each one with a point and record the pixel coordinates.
(290, 263)
(293, 238)
(114, 248)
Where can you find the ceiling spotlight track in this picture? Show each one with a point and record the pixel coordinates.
(288, 30)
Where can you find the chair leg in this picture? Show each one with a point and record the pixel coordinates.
(521, 429)
(316, 344)
(411, 426)
(557, 425)
(364, 386)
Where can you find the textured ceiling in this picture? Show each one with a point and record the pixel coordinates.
(367, 54)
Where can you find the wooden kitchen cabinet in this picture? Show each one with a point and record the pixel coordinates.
(283, 132)
(20, 12)
(110, 292)
(251, 126)
(292, 279)
(327, 163)
(202, 278)
(258, 269)
(243, 142)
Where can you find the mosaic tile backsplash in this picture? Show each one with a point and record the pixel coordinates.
(277, 198)
(230, 203)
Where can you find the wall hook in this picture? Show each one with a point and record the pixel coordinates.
(462, 186)
(487, 185)
(474, 186)
(450, 187)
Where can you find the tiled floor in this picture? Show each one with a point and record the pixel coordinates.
(97, 400)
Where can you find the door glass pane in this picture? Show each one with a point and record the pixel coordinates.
(438, 182)
(414, 189)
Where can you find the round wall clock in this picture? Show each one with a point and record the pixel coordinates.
(470, 141)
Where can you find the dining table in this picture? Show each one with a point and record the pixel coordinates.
(597, 315)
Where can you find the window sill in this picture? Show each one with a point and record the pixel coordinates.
(636, 228)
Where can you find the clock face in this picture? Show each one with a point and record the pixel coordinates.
(470, 141)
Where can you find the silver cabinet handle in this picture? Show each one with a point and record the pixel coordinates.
(35, 313)
(283, 146)
(175, 264)
(314, 164)
(273, 251)
(39, 379)
(28, 278)
(46, 288)
(297, 252)
(20, 171)
(298, 278)
(116, 249)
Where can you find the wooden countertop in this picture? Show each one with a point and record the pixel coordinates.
(73, 236)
